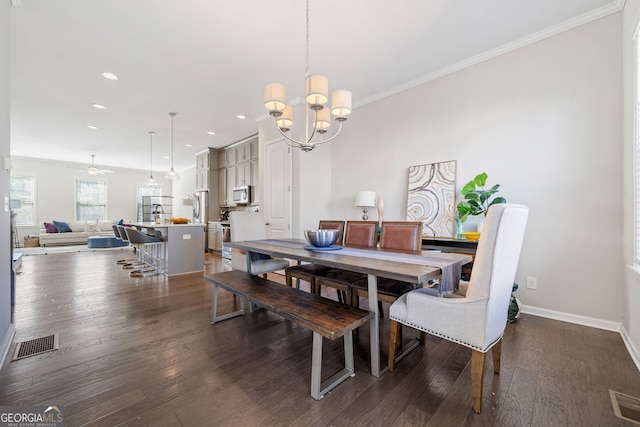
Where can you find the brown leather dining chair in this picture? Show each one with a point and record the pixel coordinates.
(307, 272)
(357, 234)
(402, 236)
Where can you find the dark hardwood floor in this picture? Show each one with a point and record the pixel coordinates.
(142, 352)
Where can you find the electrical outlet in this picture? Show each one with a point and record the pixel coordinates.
(532, 283)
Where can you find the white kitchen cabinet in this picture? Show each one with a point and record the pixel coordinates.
(254, 149)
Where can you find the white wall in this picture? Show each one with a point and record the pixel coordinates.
(544, 121)
(631, 295)
(6, 327)
(55, 190)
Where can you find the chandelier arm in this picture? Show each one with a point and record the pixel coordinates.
(332, 136)
(298, 142)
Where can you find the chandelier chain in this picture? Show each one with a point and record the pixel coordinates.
(307, 47)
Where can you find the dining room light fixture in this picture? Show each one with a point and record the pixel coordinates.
(151, 180)
(316, 96)
(172, 174)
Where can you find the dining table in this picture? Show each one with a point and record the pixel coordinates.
(418, 267)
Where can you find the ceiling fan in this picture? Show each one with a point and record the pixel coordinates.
(93, 170)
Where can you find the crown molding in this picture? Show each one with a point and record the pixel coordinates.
(16, 2)
(613, 7)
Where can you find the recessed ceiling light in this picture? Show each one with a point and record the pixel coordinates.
(241, 116)
(99, 106)
(110, 76)
(211, 133)
(188, 145)
(165, 157)
(92, 127)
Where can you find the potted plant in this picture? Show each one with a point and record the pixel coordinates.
(477, 198)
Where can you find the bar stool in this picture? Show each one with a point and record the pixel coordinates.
(129, 264)
(116, 233)
(150, 252)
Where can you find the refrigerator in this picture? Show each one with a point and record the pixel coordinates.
(200, 212)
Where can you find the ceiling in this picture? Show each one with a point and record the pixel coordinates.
(207, 60)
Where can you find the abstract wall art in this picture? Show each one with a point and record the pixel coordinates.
(431, 197)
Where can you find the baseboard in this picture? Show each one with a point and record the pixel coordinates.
(5, 345)
(573, 318)
(633, 351)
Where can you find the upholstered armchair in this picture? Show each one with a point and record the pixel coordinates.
(476, 316)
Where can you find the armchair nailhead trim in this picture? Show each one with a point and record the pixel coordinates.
(420, 328)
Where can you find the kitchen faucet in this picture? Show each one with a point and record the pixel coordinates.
(159, 212)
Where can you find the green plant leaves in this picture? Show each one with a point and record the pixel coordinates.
(477, 198)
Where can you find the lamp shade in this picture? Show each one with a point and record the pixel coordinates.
(341, 103)
(275, 96)
(317, 92)
(366, 199)
(285, 121)
(323, 120)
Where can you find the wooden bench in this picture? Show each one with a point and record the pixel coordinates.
(324, 317)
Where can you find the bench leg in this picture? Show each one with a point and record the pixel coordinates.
(214, 308)
(319, 388)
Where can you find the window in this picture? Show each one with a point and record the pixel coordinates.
(146, 189)
(91, 199)
(23, 189)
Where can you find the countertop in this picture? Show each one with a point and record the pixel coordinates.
(168, 225)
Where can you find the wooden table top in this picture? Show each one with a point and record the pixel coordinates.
(376, 261)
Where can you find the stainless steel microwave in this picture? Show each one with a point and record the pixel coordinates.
(242, 195)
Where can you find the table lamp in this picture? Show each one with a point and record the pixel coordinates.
(364, 200)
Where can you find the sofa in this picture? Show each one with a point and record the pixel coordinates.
(73, 232)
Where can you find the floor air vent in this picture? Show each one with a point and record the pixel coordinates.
(36, 346)
(625, 406)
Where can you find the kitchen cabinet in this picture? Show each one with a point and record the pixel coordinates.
(202, 160)
(231, 184)
(254, 149)
(202, 180)
(214, 237)
(243, 174)
(243, 152)
(222, 187)
(254, 182)
(227, 158)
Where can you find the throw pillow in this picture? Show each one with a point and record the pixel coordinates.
(91, 226)
(50, 227)
(62, 226)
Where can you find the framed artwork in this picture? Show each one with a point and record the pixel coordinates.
(431, 197)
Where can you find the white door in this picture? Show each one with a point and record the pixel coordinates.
(277, 189)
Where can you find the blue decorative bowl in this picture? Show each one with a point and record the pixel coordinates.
(321, 238)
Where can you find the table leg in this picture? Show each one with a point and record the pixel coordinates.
(374, 325)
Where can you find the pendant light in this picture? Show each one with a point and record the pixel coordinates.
(172, 174)
(151, 180)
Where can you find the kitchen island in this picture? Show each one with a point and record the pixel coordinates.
(184, 246)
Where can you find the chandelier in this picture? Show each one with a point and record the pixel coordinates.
(316, 96)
